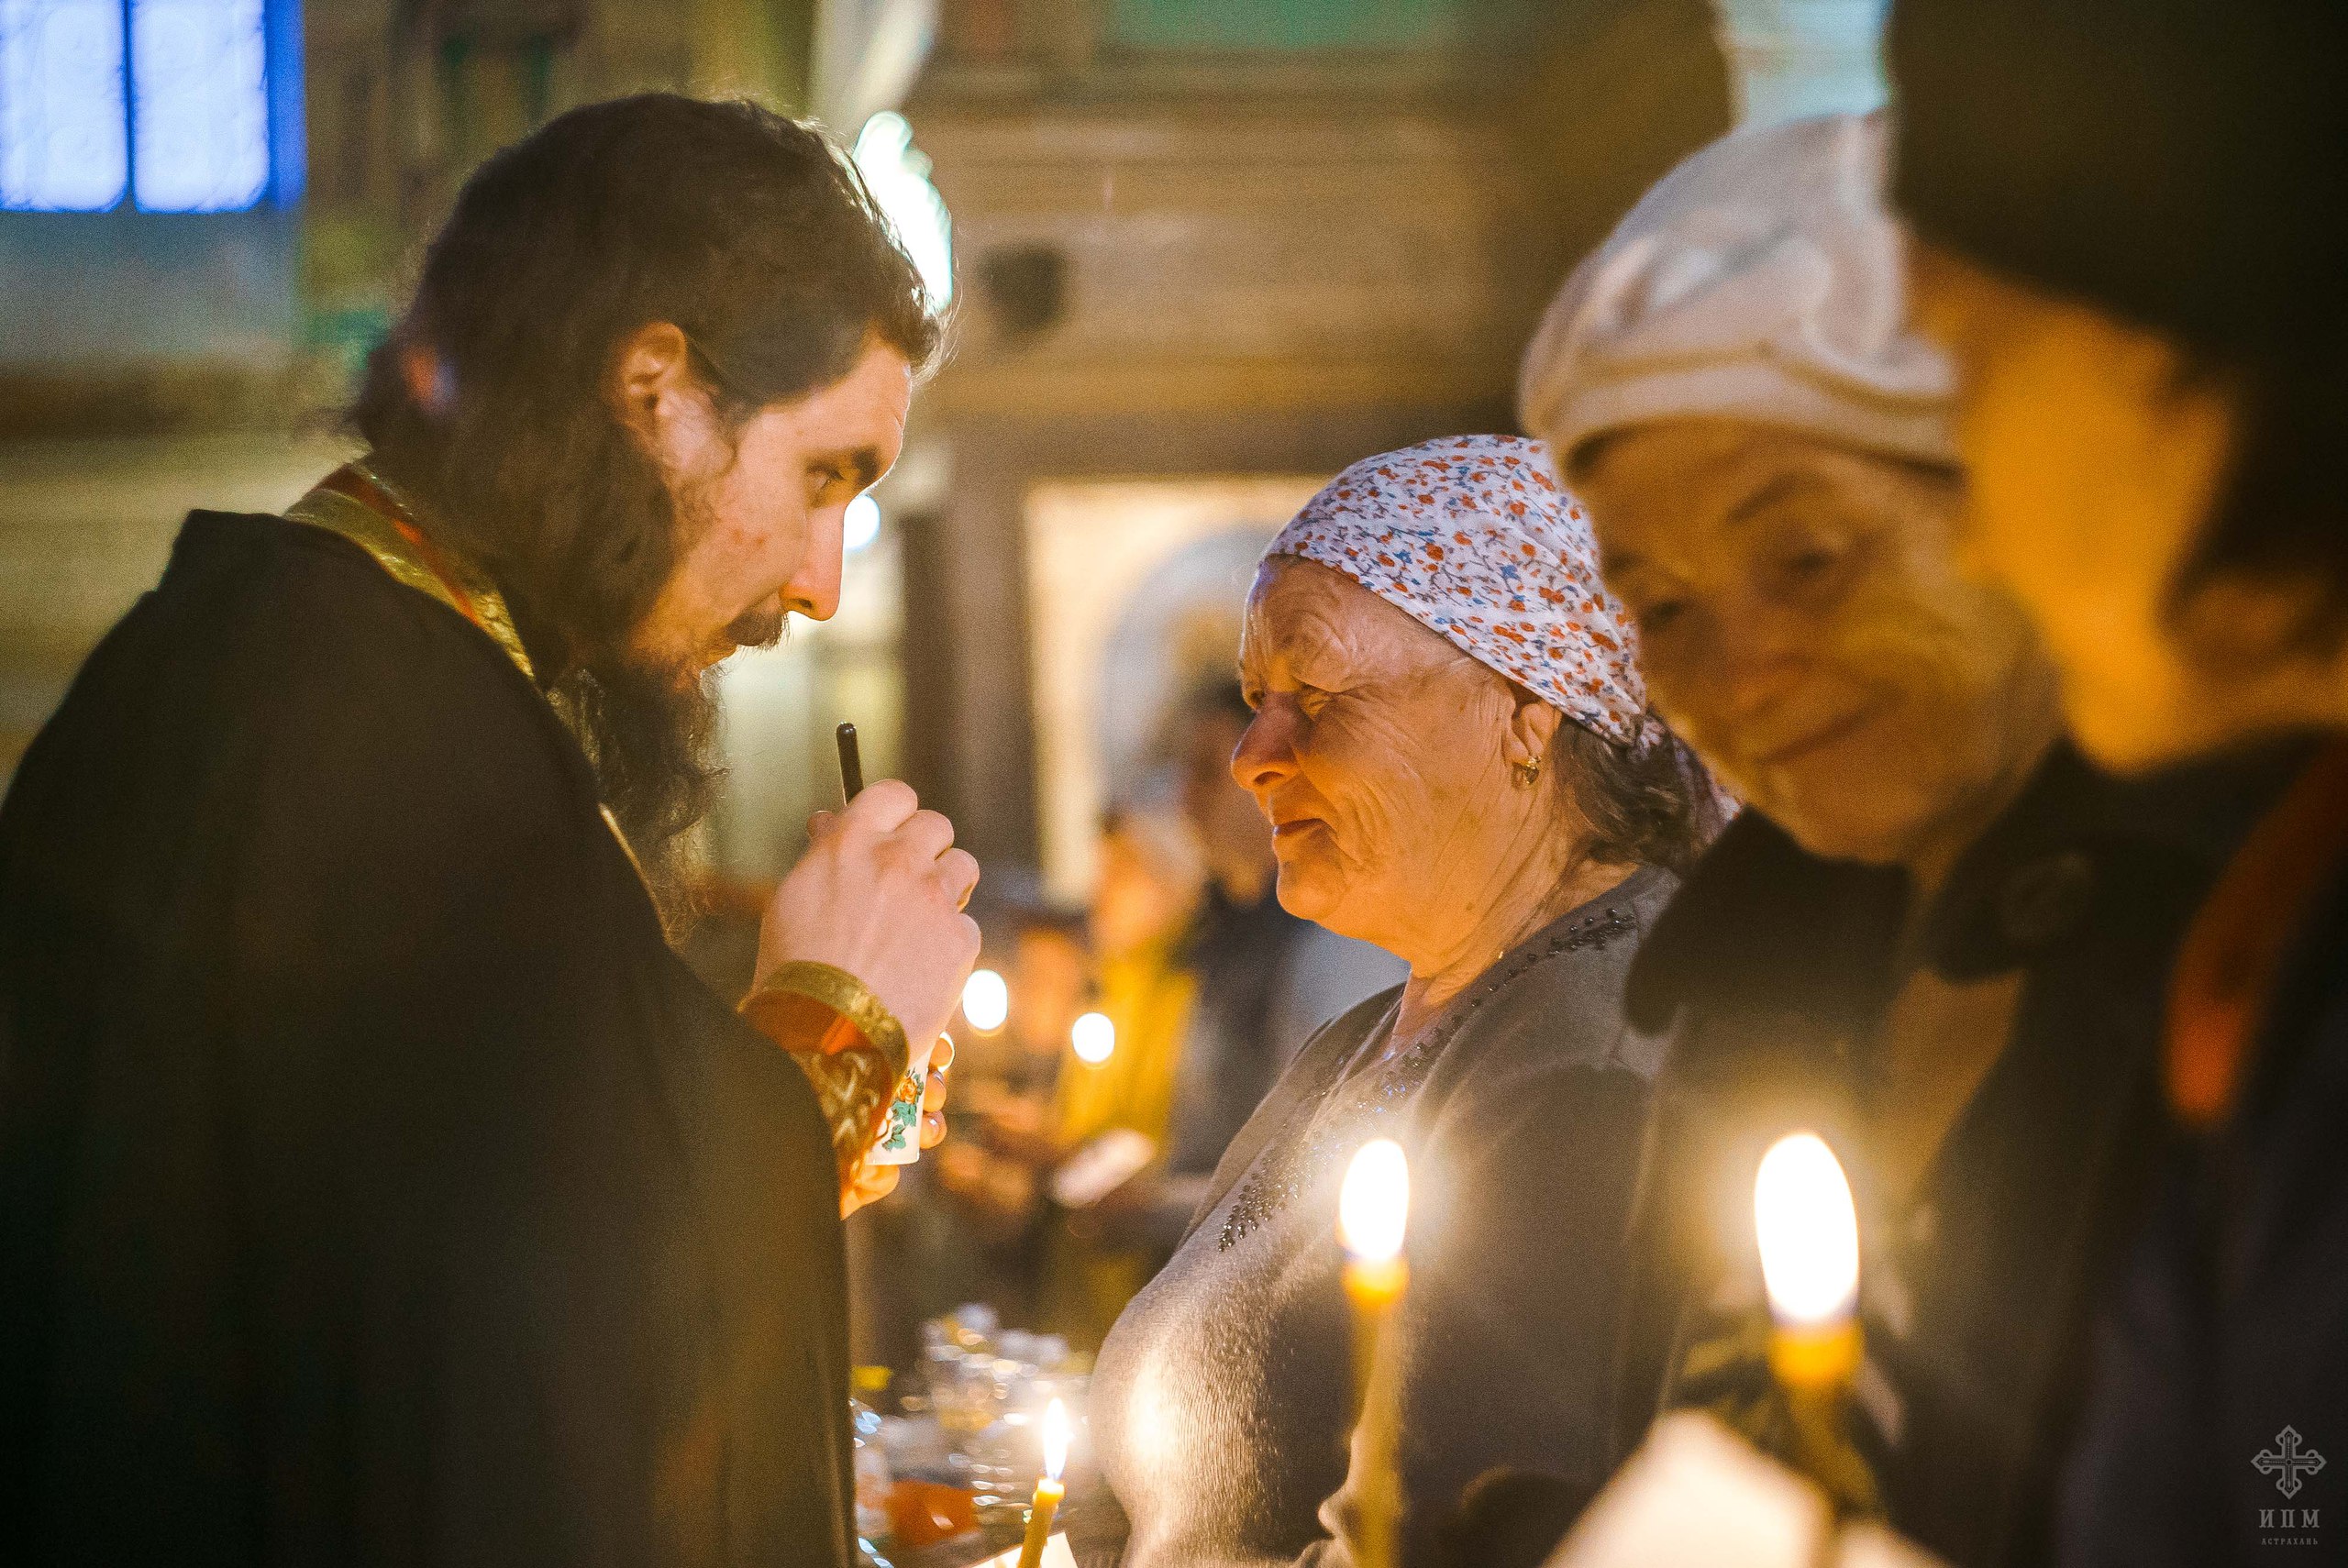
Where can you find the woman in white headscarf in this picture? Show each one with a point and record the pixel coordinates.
(1452, 745)
(1937, 935)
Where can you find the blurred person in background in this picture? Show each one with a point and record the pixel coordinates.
(2132, 234)
(994, 1169)
(1936, 934)
(1264, 981)
(1115, 1097)
(1451, 740)
(376, 1183)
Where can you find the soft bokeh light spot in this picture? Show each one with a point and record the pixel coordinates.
(986, 1001)
(1093, 1037)
(1374, 1207)
(898, 176)
(1809, 1230)
(861, 525)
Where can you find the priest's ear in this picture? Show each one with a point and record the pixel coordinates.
(653, 390)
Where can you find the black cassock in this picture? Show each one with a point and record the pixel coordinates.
(376, 1187)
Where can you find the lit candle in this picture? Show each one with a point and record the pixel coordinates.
(1373, 1209)
(1048, 1490)
(1808, 1233)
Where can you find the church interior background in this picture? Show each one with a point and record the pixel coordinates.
(1201, 253)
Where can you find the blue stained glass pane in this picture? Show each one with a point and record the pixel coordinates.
(199, 105)
(61, 142)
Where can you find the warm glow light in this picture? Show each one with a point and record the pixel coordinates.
(861, 525)
(986, 1001)
(1809, 1230)
(1374, 1205)
(1094, 1038)
(1055, 1438)
(898, 176)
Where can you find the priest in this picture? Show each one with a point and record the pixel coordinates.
(376, 1185)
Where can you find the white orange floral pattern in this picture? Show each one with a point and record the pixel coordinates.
(1471, 535)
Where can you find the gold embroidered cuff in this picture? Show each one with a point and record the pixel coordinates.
(852, 1049)
(845, 995)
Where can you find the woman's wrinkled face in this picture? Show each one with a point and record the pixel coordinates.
(1376, 754)
(2096, 456)
(1802, 625)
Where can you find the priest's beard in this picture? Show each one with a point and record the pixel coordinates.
(648, 732)
(649, 729)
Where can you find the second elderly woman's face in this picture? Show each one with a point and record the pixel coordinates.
(1802, 625)
(1377, 755)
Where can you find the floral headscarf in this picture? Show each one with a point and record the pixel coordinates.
(1471, 536)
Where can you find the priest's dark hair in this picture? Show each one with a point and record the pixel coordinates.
(489, 403)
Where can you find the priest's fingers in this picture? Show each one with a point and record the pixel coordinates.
(924, 835)
(957, 873)
(872, 1184)
(877, 896)
(933, 1092)
(933, 1129)
(821, 825)
(882, 807)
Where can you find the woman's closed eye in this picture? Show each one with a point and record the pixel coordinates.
(1657, 616)
(1808, 565)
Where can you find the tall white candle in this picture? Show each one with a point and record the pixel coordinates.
(1373, 1212)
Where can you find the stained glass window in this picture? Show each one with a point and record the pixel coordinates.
(64, 140)
(164, 102)
(199, 105)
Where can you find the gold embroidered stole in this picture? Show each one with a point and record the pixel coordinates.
(356, 504)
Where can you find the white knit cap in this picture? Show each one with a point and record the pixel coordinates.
(1763, 279)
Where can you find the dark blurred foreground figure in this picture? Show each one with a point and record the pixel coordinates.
(1452, 743)
(1936, 935)
(376, 1185)
(2133, 227)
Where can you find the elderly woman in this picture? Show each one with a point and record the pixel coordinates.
(2136, 221)
(1938, 935)
(1452, 745)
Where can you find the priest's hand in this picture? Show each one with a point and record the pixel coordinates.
(879, 894)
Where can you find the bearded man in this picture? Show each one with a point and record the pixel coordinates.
(376, 1186)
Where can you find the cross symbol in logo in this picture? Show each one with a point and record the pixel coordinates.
(2286, 1461)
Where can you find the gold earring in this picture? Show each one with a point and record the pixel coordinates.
(1527, 773)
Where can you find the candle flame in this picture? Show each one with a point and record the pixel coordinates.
(1374, 1207)
(1056, 1435)
(1809, 1230)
